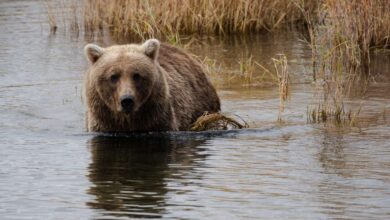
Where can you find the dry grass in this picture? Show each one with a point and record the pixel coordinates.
(310, 15)
(353, 26)
(51, 18)
(213, 70)
(74, 17)
(248, 73)
(155, 18)
(281, 69)
(247, 69)
(251, 73)
(329, 104)
(357, 26)
(347, 31)
(217, 121)
(342, 36)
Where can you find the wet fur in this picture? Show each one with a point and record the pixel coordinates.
(179, 94)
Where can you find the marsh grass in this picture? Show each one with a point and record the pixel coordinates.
(353, 26)
(65, 14)
(357, 25)
(347, 30)
(143, 19)
(213, 70)
(73, 17)
(218, 121)
(311, 19)
(342, 36)
(328, 105)
(154, 18)
(247, 73)
(281, 69)
(335, 82)
(247, 69)
(252, 73)
(51, 17)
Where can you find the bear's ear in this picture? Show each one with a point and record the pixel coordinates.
(93, 52)
(151, 48)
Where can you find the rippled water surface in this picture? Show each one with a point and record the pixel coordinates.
(50, 168)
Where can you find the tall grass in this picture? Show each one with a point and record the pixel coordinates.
(351, 29)
(248, 72)
(155, 18)
(354, 26)
(342, 35)
(51, 18)
(281, 69)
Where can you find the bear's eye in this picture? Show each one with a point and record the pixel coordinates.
(136, 77)
(114, 78)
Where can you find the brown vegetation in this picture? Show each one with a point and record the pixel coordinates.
(338, 29)
(217, 121)
(249, 73)
(342, 36)
(281, 69)
(154, 18)
(346, 31)
(51, 18)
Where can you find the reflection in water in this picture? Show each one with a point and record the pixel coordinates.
(333, 160)
(348, 168)
(128, 175)
(332, 156)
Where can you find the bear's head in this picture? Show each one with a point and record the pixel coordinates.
(124, 75)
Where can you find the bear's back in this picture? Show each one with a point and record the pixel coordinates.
(191, 91)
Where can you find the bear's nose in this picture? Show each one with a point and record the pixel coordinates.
(127, 103)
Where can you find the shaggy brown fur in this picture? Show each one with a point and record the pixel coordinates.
(170, 89)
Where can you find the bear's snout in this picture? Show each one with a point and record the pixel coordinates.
(127, 103)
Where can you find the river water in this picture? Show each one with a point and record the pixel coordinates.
(50, 168)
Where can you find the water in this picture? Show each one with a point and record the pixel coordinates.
(51, 168)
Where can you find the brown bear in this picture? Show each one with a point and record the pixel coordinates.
(148, 87)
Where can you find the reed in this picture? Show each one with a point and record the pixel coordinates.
(213, 70)
(329, 105)
(74, 17)
(342, 38)
(248, 73)
(281, 69)
(154, 18)
(346, 30)
(247, 69)
(51, 17)
(358, 26)
(310, 15)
